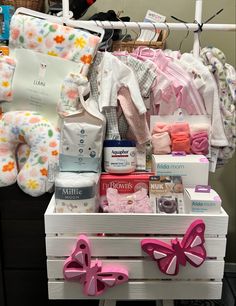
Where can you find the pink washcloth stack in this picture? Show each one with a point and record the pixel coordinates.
(180, 127)
(200, 139)
(199, 143)
(161, 139)
(180, 136)
(160, 127)
(203, 127)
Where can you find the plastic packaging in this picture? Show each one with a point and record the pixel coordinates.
(119, 156)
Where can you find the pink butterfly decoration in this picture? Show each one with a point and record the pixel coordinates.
(90, 273)
(168, 257)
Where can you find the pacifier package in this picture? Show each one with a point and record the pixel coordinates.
(166, 194)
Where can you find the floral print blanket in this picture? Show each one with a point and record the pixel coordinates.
(53, 39)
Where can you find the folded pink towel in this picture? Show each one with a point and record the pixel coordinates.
(180, 135)
(200, 143)
(180, 142)
(161, 143)
(179, 127)
(160, 127)
(201, 127)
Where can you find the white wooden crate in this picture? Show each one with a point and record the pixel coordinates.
(122, 245)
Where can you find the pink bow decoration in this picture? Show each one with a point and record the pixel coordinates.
(169, 257)
(90, 273)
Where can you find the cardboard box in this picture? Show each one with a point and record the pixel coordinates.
(193, 169)
(125, 184)
(197, 201)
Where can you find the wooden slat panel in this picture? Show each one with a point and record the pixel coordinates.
(132, 224)
(149, 290)
(121, 246)
(147, 269)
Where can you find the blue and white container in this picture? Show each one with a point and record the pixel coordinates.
(119, 156)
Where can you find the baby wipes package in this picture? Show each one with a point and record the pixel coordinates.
(76, 192)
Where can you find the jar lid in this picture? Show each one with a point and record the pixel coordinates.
(119, 143)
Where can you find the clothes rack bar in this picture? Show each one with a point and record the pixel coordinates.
(150, 26)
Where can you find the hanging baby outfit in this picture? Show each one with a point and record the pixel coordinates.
(105, 84)
(215, 60)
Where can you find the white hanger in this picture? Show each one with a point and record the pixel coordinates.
(61, 20)
(92, 28)
(26, 11)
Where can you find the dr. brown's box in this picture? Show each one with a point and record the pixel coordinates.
(192, 168)
(124, 183)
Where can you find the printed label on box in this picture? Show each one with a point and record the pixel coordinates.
(37, 82)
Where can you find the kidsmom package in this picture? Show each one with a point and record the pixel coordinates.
(125, 184)
(202, 199)
(193, 169)
(166, 194)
